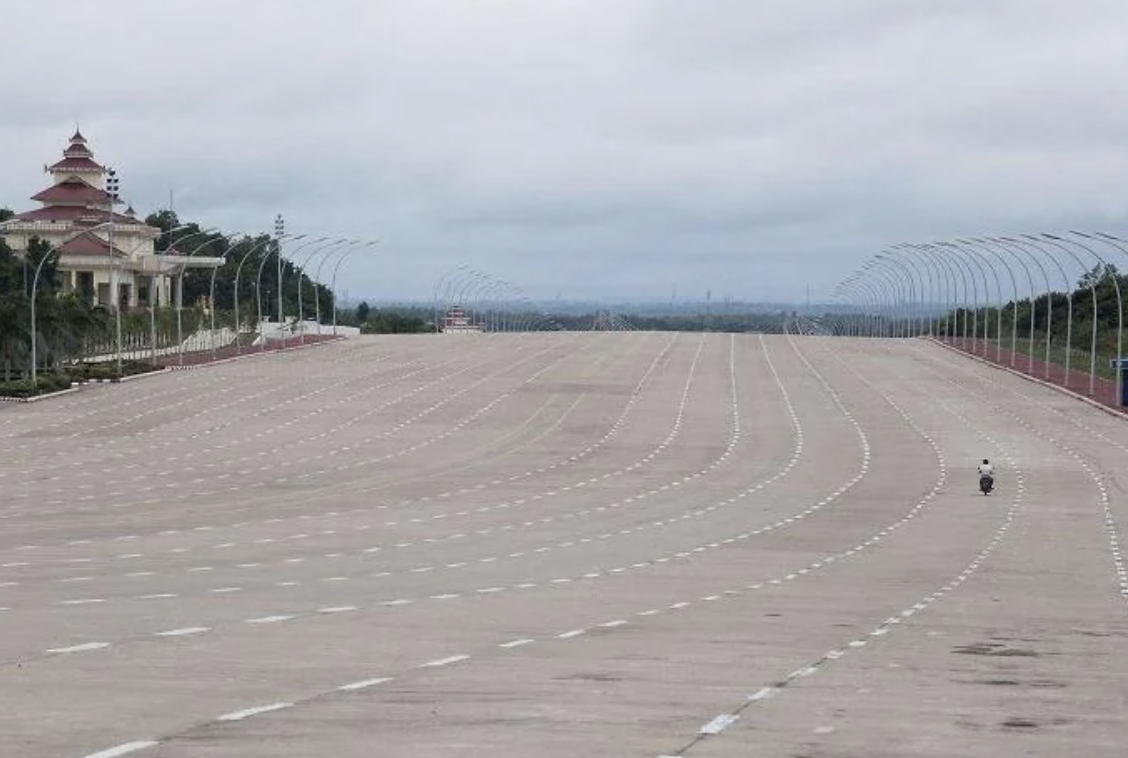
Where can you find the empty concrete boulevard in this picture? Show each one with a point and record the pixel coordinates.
(602, 544)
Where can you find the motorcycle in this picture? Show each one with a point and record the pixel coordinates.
(986, 483)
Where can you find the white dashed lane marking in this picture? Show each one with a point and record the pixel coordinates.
(256, 711)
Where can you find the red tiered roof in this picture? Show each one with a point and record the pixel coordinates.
(77, 156)
(88, 243)
(74, 213)
(72, 192)
(76, 164)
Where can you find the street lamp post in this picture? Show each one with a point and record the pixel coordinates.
(34, 334)
(34, 293)
(152, 290)
(333, 281)
(1093, 289)
(113, 188)
(238, 270)
(1038, 243)
(332, 291)
(180, 292)
(279, 233)
(327, 248)
(974, 257)
(1014, 303)
(1014, 247)
(258, 303)
(1112, 241)
(258, 292)
(211, 303)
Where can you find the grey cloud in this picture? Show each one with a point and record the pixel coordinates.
(750, 147)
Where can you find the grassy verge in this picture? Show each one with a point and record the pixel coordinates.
(1079, 359)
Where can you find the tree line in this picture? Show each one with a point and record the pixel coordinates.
(70, 328)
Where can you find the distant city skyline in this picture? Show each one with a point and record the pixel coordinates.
(753, 149)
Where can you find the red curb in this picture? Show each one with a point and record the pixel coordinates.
(251, 353)
(1064, 390)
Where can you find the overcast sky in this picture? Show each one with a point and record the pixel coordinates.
(595, 149)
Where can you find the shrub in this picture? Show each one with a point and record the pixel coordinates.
(17, 388)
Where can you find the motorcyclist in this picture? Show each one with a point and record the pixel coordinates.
(986, 472)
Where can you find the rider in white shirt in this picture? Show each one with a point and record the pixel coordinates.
(986, 469)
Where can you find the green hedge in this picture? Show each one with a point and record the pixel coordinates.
(24, 388)
(54, 380)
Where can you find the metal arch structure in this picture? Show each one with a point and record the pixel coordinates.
(858, 323)
(998, 251)
(1015, 247)
(1114, 242)
(909, 295)
(902, 290)
(1049, 300)
(1103, 267)
(956, 277)
(871, 308)
(911, 262)
(976, 258)
(965, 268)
(870, 305)
(438, 285)
(943, 276)
(959, 289)
(1037, 241)
(1014, 300)
(888, 320)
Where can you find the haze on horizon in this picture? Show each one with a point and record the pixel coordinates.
(592, 150)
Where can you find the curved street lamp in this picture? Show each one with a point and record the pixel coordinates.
(1049, 240)
(1049, 300)
(35, 286)
(1114, 242)
(438, 285)
(998, 251)
(977, 259)
(258, 280)
(1014, 302)
(925, 278)
(1015, 247)
(1103, 267)
(254, 247)
(333, 281)
(327, 249)
(180, 286)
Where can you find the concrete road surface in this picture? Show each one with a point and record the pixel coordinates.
(560, 545)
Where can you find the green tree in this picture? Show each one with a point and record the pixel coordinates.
(37, 250)
(14, 333)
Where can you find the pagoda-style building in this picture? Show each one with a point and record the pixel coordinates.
(97, 245)
(455, 321)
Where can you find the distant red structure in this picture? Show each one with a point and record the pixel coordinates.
(456, 320)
